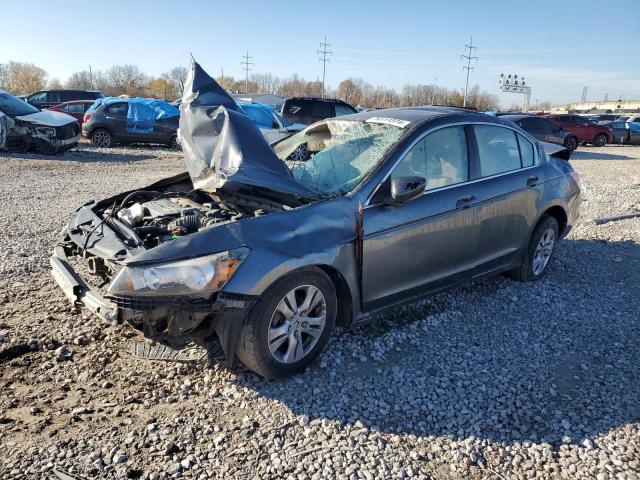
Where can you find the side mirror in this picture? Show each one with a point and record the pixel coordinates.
(404, 189)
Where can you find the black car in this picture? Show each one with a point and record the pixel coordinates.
(308, 110)
(253, 257)
(49, 98)
(131, 120)
(544, 130)
(625, 132)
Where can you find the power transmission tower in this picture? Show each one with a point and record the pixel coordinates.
(246, 66)
(324, 51)
(468, 67)
(584, 94)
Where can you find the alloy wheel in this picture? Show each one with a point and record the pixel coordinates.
(543, 252)
(297, 323)
(300, 153)
(101, 139)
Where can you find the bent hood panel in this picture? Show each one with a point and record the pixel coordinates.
(48, 118)
(221, 143)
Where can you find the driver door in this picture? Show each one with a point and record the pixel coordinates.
(425, 243)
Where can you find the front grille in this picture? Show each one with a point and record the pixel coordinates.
(68, 131)
(191, 304)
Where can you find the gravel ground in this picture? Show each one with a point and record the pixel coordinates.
(493, 380)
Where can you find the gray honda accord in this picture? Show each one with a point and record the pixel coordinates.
(258, 250)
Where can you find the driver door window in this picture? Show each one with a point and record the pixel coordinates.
(440, 157)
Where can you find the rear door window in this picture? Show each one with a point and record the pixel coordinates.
(118, 110)
(498, 150)
(343, 110)
(321, 110)
(294, 108)
(75, 108)
(55, 97)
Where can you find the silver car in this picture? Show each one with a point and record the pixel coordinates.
(258, 256)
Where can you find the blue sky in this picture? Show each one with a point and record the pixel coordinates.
(559, 46)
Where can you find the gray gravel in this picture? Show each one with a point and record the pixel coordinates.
(493, 380)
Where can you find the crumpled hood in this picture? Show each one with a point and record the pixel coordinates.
(221, 143)
(48, 118)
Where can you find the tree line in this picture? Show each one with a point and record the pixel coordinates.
(23, 78)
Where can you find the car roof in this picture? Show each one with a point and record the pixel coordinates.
(515, 118)
(261, 106)
(318, 99)
(419, 114)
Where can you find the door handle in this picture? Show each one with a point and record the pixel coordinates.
(464, 201)
(532, 181)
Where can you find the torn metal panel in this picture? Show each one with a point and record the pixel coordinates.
(221, 143)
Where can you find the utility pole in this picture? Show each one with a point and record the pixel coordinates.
(468, 67)
(90, 78)
(584, 94)
(433, 94)
(246, 66)
(324, 51)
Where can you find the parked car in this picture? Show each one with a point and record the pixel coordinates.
(625, 132)
(544, 129)
(307, 110)
(586, 131)
(75, 108)
(24, 127)
(49, 98)
(248, 256)
(131, 120)
(632, 119)
(270, 123)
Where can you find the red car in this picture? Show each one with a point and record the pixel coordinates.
(586, 131)
(75, 108)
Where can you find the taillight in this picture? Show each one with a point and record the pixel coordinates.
(86, 118)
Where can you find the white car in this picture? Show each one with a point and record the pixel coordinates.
(270, 123)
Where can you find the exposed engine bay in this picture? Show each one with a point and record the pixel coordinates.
(157, 217)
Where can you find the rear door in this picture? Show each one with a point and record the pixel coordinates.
(115, 119)
(427, 242)
(509, 187)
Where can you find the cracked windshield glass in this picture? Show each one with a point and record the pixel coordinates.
(332, 157)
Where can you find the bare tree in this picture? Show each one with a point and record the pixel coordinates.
(54, 84)
(24, 78)
(79, 80)
(177, 75)
(162, 88)
(4, 75)
(127, 80)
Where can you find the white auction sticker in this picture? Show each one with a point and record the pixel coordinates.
(389, 121)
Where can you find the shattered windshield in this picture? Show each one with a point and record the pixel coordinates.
(333, 156)
(14, 107)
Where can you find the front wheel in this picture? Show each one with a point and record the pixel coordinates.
(539, 251)
(600, 140)
(289, 325)
(571, 143)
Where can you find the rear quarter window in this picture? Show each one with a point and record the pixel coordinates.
(526, 151)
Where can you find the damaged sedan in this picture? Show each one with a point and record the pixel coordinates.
(258, 256)
(25, 128)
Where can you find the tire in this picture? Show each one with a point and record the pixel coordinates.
(279, 357)
(173, 143)
(101, 138)
(529, 270)
(600, 140)
(571, 142)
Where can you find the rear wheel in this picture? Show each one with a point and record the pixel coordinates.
(539, 251)
(173, 143)
(289, 325)
(102, 138)
(571, 142)
(600, 140)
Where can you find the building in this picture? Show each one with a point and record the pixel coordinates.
(264, 98)
(609, 106)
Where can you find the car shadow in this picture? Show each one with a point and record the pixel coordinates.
(500, 360)
(587, 155)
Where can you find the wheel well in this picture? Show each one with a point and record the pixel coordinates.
(343, 294)
(95, 129)
(560, 215)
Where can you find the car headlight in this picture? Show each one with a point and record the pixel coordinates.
(197, 276)
(48, 131)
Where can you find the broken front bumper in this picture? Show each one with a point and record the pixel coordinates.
(173, 321)
(78, 291)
